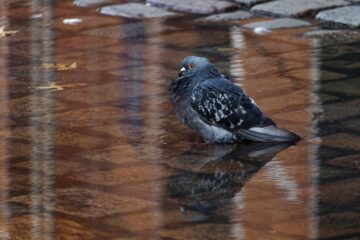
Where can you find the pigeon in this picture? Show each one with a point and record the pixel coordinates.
(217, 108)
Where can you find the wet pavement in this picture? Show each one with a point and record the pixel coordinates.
(90, 148)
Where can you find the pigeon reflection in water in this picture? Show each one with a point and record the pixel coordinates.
(208, 177)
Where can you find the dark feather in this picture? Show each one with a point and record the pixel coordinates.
(213, 105)
(218, 101)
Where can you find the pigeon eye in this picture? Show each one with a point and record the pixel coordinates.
(191, 65)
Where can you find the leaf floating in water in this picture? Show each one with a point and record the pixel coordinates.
(4, 33)
(53, 87)
(59, 66)
(223, 49)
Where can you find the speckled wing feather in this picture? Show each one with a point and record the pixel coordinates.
(220, 102)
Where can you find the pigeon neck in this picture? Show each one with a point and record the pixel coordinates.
(180, 86)
(210, 73)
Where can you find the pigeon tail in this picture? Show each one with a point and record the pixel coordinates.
(268, 134)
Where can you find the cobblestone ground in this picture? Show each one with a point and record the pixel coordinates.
(90, 147)
(342, 14)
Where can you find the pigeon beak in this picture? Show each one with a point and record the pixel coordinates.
(181, 73)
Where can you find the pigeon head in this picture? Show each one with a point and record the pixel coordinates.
(197, 66)
(194, 70)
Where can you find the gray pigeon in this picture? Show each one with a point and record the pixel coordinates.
(211, 104)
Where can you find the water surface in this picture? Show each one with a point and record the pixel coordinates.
(104, 157)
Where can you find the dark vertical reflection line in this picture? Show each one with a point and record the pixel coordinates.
(48, 126)
(134, 90)
(4, 121)
(41, 122)
(338, 149)
(315, 109)
(155, 113)
(34, 125)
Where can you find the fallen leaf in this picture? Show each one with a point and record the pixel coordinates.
(59, 66)
(225, 49)
(4, 33)
(53, 87)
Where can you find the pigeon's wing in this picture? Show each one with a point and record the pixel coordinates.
(222, 103)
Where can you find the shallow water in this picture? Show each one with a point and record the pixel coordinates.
(102, 155)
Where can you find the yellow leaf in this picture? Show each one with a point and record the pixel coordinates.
(59, 66)
(224, 49)
(53, 87)
(4, 33)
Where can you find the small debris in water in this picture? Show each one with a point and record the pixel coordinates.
(261, 30)
(72, 21)
(59, 66)
(53, 87)
(4, 33)
(36, 16)
(222, 49)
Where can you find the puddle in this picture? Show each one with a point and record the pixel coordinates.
(105, 157)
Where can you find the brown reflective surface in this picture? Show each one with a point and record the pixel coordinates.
(103, 156)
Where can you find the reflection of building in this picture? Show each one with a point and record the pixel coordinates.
(42, 126)
(4, 133)
(27, 128)
(95, 159)
(338, 152)
(277, 74)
